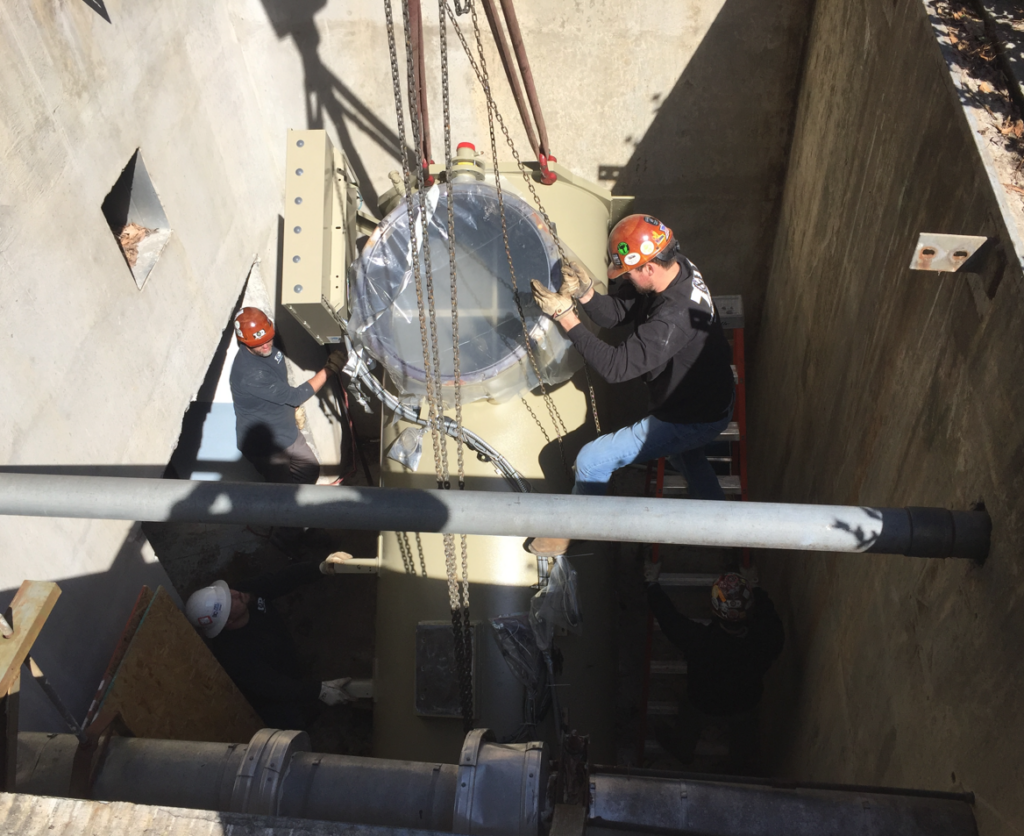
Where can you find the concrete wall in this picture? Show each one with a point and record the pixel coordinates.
(689, 108)
(881, 386)
(97, 373)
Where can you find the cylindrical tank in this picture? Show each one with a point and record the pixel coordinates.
(412, 590)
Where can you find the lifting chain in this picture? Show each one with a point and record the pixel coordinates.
(466, 629)
(459, 604)
(480, 69)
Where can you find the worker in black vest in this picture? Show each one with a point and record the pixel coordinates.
(726, 661)
(677, 346)
(250, 640)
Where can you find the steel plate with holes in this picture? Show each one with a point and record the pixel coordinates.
(437, 677)
(944, 253)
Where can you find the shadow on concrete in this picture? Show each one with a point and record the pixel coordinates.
(712, 163)
(99, 7)
(326, 94)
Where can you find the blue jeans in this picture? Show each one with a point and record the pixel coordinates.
(652, 438)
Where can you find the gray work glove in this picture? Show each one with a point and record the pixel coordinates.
(335, 363)
(328, 566)
(555, 305)
(333, 691)
(651, 571)
(576, 281)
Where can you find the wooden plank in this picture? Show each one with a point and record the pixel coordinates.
(127, 634)
(29, 611)
(169, 685)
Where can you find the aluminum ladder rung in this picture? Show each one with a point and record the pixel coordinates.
(668, 667)
(662, 708)
(687, 579)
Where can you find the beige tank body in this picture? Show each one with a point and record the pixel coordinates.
(413, 587)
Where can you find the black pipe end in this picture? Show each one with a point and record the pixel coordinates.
(938, 532)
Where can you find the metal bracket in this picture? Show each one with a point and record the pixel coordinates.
(948, 253)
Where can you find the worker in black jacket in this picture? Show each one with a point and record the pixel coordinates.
(726, 661)
(251, 642)
(677, 346)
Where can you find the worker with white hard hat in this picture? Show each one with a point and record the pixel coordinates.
(250, 641)
(676, 346)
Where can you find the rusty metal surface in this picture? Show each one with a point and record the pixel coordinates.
(945, 253)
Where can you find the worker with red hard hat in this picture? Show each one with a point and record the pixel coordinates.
(726, 661)
(265, 402)
(677, 346)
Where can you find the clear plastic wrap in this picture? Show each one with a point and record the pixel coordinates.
(408, 447)
(519, 648)
(493, 364)
(556, 605)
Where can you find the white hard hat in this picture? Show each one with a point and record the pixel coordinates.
(208, 608)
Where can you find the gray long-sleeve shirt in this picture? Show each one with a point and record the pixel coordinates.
(264, 402)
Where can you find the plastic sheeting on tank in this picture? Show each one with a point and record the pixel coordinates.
(493, 363)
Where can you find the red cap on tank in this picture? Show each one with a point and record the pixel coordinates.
(469, 145)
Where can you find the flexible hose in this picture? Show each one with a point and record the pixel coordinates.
(358, 369)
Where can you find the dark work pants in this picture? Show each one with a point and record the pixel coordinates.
(296, 464)
(741, 732)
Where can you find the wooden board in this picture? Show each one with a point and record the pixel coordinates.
(170, 686)
(29, 610)
(127, 634)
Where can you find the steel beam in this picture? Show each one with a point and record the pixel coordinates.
(920, 532)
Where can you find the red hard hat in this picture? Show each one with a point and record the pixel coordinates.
(634, 241)
(731, 597)
(253, 327)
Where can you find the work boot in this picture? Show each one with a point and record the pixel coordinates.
(548, 546)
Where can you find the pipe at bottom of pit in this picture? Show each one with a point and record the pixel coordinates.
(921, 532)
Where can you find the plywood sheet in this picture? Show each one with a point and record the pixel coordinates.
(127, 634)
(170, 686)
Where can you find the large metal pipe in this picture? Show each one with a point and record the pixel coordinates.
(275, 774)
(640, 803)
(921, 532)
(495, 790)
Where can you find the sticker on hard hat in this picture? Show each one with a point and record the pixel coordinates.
(238, 328)
(658, 237)
(647, 248)
(216, 607)
(651, 221)
(616, 260)
(259, 334)
(205, 619)
(632, 259)
(623, 248)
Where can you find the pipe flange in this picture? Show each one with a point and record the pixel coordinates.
(264, 767)
(501, 787)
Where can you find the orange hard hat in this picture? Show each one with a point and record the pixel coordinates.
(253, 327)
(634, 241)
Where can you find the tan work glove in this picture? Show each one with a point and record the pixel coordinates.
(300, 417)
(333, 691)
(335, 363)
(576, 281)
(327, 566)
(555, 305)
